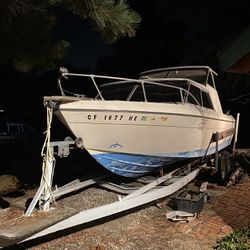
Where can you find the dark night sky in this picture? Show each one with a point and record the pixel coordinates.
(86, 45)
(167, 25)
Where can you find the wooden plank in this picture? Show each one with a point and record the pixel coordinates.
(223, 134)
(15, 225)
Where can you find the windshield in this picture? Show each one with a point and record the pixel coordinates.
(197, 75)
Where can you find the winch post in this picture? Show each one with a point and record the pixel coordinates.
(44, 194)
(47, 167)
(47, 180)
(47, 171)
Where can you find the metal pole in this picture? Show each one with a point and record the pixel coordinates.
(236, 132)
(216, 151)
(35, 200)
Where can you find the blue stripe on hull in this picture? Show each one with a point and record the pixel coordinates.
(132, 165)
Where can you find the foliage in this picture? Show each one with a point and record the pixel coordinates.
(113, 20)
(26, 28)
(238, 240)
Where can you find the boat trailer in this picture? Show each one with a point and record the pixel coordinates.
(49, 219)
(20, 230)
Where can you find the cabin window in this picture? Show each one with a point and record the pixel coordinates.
(196, 93)
(210, 80)
(201, 96)
(206, 101)
(157, 93)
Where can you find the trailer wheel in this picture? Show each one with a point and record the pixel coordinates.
(225, 166)
(244, 161)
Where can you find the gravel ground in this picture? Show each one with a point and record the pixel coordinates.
(143, 228)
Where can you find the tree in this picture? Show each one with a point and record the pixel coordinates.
(26, 28)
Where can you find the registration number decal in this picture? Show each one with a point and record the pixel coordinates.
(112, 117)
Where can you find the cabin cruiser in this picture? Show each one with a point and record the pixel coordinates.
(135, 126)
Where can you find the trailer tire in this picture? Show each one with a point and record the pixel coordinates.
(244, 162)
(225, 166)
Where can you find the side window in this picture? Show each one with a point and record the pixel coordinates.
(157, 93)
(196, 92)
(206, 100)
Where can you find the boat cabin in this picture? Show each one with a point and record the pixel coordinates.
(189, 84)
(193, 85)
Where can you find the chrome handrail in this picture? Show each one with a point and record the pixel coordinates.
(155, 81)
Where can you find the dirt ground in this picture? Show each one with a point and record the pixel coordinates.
(145, 227)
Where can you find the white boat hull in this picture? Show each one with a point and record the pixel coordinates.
(134, 138)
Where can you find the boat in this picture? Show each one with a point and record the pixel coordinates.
(133, 127)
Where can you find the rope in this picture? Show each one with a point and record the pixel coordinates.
(47, 154)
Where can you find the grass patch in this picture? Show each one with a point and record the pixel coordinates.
(238, 240)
